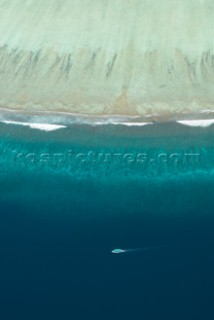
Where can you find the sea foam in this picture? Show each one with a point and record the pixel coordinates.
(39, 126)
(197, 123)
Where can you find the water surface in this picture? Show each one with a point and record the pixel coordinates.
(69, 197)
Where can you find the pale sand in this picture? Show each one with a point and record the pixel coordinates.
(148, 58)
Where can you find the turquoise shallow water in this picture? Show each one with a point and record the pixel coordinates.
(70, 196)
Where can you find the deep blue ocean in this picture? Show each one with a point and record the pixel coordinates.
(71, 196)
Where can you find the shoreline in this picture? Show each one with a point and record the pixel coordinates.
(100, 72)
(203, 118)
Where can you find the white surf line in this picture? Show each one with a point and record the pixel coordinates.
(104, 123)
(197, 123)
(132, 124)
(39, 126)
